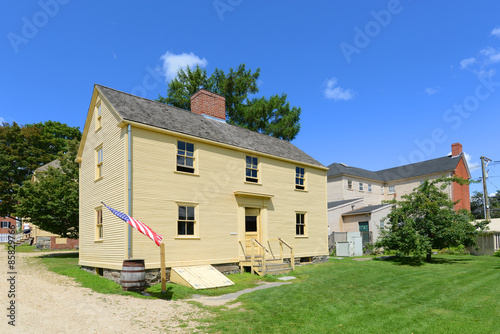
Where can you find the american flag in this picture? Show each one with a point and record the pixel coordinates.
(141, 227)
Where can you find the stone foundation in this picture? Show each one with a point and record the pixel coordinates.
(153, 276)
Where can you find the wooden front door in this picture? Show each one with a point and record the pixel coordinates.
(252, 229)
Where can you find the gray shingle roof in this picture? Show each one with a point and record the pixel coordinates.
(56, 164)
(434, 166)
(140, 110)
(342, 202)
(366, 209)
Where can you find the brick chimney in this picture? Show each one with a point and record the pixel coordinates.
(456, 149)
(207, 103)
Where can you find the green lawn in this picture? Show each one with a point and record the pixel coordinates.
(454, 294)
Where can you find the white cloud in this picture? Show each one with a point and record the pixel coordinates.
(332, 91)
(472, 165)
(466, 62)
(174, 62)
(2, 119)
(432, 91)
(487, 51)
(496, 32)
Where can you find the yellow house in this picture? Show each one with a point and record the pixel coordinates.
(215, 191)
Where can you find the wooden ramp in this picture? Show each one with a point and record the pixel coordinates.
(199, 277)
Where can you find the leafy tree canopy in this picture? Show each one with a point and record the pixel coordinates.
(51, 201)
(272, 116)
(425, 219)
(477, 205)
(25, 148)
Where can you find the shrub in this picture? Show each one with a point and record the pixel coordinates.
(497, 253)
(459, 250)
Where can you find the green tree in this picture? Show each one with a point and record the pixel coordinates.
(272, 116)
(425, 219)
(51, 201)
(477, 205)
(25, 148)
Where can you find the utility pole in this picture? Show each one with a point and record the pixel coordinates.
(485, 190)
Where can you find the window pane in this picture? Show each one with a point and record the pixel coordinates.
(181, 146)
(180, 160)
(249, 161)
(190, 213)
(254, 173)
(254, 162)
(182, 213)
(190, 147)
(190, 228)
(250, 224)
(297, 181)
(189, 162)
(249, 172)
(181, 228)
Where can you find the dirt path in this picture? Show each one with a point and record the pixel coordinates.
(49, 303)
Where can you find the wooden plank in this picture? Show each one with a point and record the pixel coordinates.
(199, 277)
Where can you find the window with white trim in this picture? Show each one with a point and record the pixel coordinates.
(360, 186)
(300, 179)
(381, 190)
(300, 223)
(98, 117)
(349, 184)
(392, 189)
(5, 224)
(185, 157)
(186, 220)
(98, 224)
(99, 162)
(252, 169)
(369, 188)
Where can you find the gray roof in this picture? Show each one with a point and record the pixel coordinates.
(56, 164)
(434, 166)
(366, 209)
(334, 204)
(140, 110)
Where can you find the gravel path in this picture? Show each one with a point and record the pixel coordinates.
(49, 303)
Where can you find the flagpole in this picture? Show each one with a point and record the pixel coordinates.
(163, 271)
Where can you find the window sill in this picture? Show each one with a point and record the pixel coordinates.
(98, 179)
(98, 240)
(99, 128)
(254, 183)
(301, 237)
(186, 238)
(301, 190)
(186, 173)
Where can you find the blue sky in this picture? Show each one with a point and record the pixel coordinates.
(380, 83)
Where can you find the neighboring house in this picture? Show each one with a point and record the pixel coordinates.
(356, 195)
(208, 187)
(489, 241)
(7, 224)
(41, 238)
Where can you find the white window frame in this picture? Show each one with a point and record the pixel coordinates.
(361, 186)
(369, 188)
(5, 222)
(302, 223)
(349, 184)
(185, 154)
(392, 189)
(300, 175)
(382, 190)
(252, 167)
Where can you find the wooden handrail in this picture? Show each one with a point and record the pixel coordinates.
(292, 257)
(263, 256)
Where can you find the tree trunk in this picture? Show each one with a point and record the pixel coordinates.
(429, 255)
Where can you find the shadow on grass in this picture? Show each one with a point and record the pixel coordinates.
(65, 255)
(415, 262)
(168, 295)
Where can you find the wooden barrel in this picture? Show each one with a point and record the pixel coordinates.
(133, 276)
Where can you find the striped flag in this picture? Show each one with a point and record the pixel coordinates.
(141, 227)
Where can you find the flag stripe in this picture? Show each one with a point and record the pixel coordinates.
(140, 226)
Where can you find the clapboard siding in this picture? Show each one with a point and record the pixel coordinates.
(157, 189)
(110, 252)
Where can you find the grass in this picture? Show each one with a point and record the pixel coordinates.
(67, 264)
(32, 249)
(454, 294)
